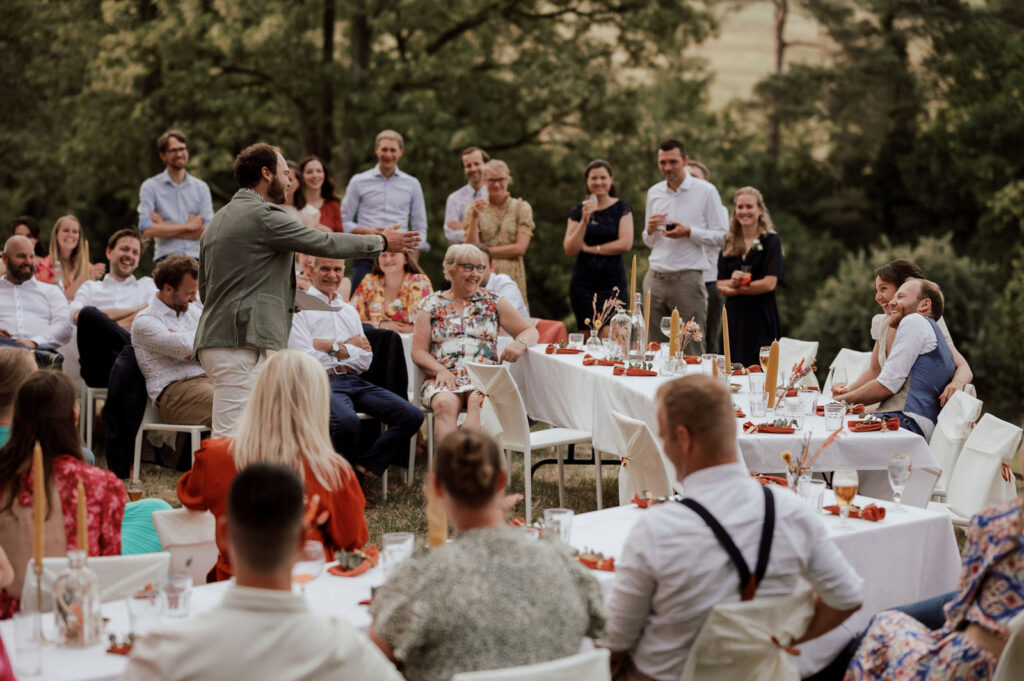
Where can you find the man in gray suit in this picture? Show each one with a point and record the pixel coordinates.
(247, 277)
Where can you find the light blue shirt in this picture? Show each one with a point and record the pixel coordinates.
(373, 200)
(455, 209)
(174, 203)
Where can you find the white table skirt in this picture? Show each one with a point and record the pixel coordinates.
(906, 557)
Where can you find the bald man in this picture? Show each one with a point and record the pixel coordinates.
(32, 314)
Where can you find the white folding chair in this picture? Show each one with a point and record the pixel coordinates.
(589, 666)
(117, 576)
(644, 467)
(792, 351)
(428, 415)
(503, 397)
(1011, 662)
(735, 642)
(951, 431)
(151, 421)
(853, 361)
(190, 537)
(991, 443)
(89, 398)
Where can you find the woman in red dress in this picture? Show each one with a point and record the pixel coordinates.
(316, 191)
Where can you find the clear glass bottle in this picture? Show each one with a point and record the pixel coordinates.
(621, 328)
(637, 335)
(594, 346)
(76, 604)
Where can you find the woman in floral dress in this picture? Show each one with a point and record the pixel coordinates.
(389, 295)
(459, 325)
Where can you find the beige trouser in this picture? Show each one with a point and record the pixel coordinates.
(683, 290)
(187, 402)
(232, 372)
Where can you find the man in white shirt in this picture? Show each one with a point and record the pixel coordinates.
(713, 332)
(920, 361)
(32, 314)
(163, 335)
(335, 339)
(473, 160)
(104, 310)
(503, 285)
(384, 197)
(260, 629)
(674, 569)
(683, 216)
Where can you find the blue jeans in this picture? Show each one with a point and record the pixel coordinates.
(44, 358)
(351, 394)
(906, 422)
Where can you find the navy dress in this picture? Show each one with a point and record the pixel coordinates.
(753, 320)
(595, 273)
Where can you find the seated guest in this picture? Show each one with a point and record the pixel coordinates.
(67, 265)
(163, 334)
(16, 364)
(260, 629)
(285, 422)
(46, 411)
(337, 342)
(919, 366)
(32, 314)
(491, 598)
(503, 285)
(458, 325)
(674, 569)
(388, 296)
(104, 310)
(888, 279)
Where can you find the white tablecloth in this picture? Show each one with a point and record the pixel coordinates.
(904, 558)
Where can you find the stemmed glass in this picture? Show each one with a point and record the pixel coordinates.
(666, 326)
(899, 476)
(839, 379)
(762, 356)
(844, 484)
(310, 564)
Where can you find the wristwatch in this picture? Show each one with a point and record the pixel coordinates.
(335, 347)
(599, 248)
(384, 248)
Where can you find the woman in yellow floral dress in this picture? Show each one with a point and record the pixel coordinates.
(389, 295)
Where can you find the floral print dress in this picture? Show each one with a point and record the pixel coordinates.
(456, 338)
(991, 593)
(414, 288)
(500, 226)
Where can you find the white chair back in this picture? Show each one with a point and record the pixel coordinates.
(416, 383)
(951, 431)
(855, 363)
(118, 576)
(992, 442)
(504, 413)
(735, 642)
(190, 538)
(1011, 662)
(589, 666)
(643, 465)
(792, 351)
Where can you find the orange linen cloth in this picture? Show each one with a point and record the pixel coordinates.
(589, 361)
(619, 370)
(793, 392)
(755, 369)
(862, 427)
(371, 560)
(551, 331)
(768, 428)
(869, 512)
(555, 350)
(854, 409)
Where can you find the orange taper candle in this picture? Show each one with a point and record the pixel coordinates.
(38, 507)
(82, 521)
(725, 341)
(437, 519)
(632, 281)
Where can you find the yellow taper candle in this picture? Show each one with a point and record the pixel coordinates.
(38, 507)
(771, 379)
(673, 334)
(437, 519)
(82, 521)
(632, 281)
(647, 316)
(725, 341)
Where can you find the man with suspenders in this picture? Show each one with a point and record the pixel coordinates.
(727, 540)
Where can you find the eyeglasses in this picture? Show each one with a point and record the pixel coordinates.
(496, 180)
(468, 269)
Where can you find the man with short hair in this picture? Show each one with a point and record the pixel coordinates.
(683, 215)
(919, 365)
(336, 340)
(32, 314)
(473, 160)
(163, 335)
(104, 310)
(384, 197)
(713, 332)
(174, 207)
(503, 285)
(674, 567)
(247, 277)
(260, 629)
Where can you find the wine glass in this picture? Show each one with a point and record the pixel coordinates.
(666, 326)
(899, 476)
(844, 484)
(839, 379)
(762, 355)
(310, 564)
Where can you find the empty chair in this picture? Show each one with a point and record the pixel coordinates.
(118, 576)
(643, 466)
(791, 351)
(151, 421)
(589, 666)
(1011, 662)
(951, 431)
(190, 539)
(853, 361)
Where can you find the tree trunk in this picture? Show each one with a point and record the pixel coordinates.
(151, 82)
(781, 14)
(326, 123)
(359, 60)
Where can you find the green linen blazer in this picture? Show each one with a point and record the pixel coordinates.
(247, 271)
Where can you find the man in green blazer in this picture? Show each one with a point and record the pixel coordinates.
(247, 277)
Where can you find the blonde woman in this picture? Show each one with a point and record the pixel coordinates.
(749, 268)
(68, 264)
(285, 422)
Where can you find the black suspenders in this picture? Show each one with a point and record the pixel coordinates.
(748, 582)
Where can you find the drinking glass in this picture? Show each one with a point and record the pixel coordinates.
(756, 382)
(763, 354)
(759, 405)
(145, 609)
(611, 349)
(576, 341)
(899, 476)
(844, 484)
(808, 400)
(396, 547)
(559, 522)
(310, 564)
(794, 412)
(28, 643)
(179, 595)
(747, 271)
(839, 379)
(134, 488)
(722, 370)
(834, 413)
(813, 494)
(666, 326)
(709, 364)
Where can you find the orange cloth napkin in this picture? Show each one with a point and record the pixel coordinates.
(556, 350)
(769, 479)
(690, 359)
(589, 360)
(793, 392)
(372, 558)
(739, 372)
(755, 369)
(606, 564)
(869, 512)
(768, 428)
(862, 427)
(619, 370)
(654, 346)
(855, 409)
(740, 414)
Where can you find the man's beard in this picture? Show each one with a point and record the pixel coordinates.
(276, 192)
(15, 275)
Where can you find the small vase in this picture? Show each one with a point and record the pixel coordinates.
(77, 604)
(796, 477)
(594, 347)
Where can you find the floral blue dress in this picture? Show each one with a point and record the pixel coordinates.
(896, 646)
(455, 337)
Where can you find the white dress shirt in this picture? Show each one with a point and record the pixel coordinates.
(505, 287)
(339, 326)
(673, 569)
(373, 200)
(258, 634)
(914, 337)
(455, 209)
(35, 311)
(110, 294)
(696, 204)
(712, 252)
(163, 341)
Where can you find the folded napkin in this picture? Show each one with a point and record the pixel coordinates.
(793, 392)
(556, 350)
(854, 409)
(750, 428)
(739, 372)
(769, 479)
(120, 649)
(365, 601)
(619, 370)
(595, 561)
(755, 369)
(589, 361)
(871, 426)
(654, 346)
(690, 359)
(644, 502)
(370, 559)
(869, 512)
(740, 414)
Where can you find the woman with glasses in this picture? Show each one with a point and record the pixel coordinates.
(458, 325)
(502, 223)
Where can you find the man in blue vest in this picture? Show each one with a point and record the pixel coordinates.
(919, 365)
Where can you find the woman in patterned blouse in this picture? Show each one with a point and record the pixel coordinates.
(389, 295)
